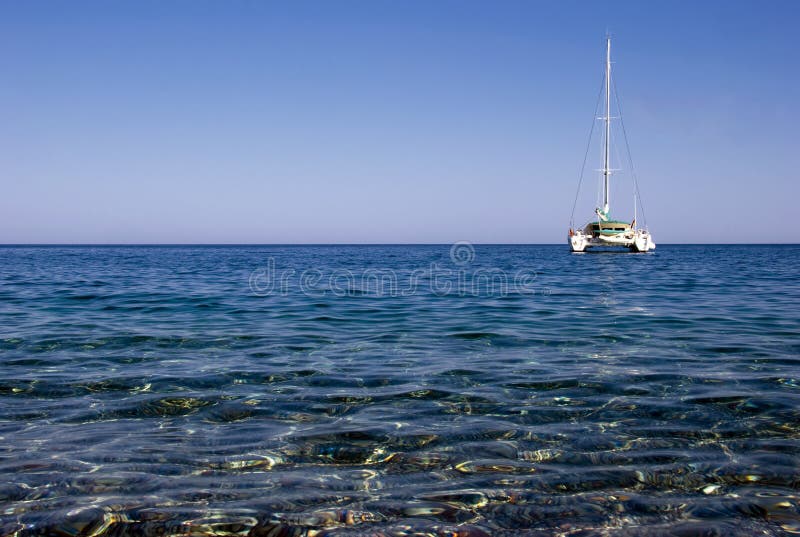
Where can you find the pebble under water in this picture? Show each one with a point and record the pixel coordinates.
(399, 391)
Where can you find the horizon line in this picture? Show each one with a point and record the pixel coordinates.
(233, 244)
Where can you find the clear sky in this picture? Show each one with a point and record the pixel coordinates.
(194, 121)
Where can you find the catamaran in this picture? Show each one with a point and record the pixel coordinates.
(605, 231)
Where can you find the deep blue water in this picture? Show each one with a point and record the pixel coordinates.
(399, 390)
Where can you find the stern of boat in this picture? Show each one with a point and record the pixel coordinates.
(643, 242)
(577, 241)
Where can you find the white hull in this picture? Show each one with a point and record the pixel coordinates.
(635, 241)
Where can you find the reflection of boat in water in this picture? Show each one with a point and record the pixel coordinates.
(605, 231)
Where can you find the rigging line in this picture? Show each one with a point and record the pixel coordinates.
(630, 158)
(586, 154)
(620, 161)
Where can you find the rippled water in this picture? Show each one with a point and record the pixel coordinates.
(290, 391)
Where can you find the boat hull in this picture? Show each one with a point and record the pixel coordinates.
(635, 241)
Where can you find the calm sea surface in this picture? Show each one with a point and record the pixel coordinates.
(399, 391)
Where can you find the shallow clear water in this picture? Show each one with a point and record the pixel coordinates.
(399, 390)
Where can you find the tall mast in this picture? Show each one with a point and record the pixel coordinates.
(606, 163)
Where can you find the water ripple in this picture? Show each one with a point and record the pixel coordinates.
(149, 391)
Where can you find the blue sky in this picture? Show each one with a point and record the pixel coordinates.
(195, 121)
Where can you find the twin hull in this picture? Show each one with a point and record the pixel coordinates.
(636, 241)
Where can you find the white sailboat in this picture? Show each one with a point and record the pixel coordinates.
(604, 231)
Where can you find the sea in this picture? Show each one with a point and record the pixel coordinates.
(437, 390)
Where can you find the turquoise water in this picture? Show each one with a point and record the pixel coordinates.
(399, 390)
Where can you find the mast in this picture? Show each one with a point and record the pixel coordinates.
(606, 163)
